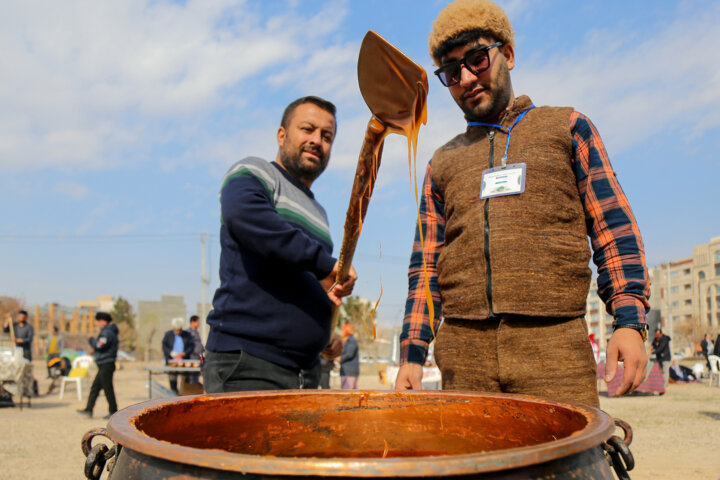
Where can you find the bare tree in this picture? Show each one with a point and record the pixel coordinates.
(360, 313)
(689, 331)
(124, 317)
(10, 305)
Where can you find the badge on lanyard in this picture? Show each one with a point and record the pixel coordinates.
(506, 179)
(499, 181)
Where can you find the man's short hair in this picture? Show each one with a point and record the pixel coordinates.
(103, 316)
(55, 328)
(465, 16)
(194, 318)
(23, 312)
(320, 102)
(658, 330)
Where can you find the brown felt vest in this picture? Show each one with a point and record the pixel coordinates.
(537, 241)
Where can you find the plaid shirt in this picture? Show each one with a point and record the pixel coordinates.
(619, 255)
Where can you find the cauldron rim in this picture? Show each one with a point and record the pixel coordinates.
(599, 428)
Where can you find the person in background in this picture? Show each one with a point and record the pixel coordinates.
(680, 373)
(349, 360)
(327, 365)
(24, 333)
(595, 347)
(177, 344)
(55, 343)
(105, 348)
(707, 348)
(198, 348)
(661, 349)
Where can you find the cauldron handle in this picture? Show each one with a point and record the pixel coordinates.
(98, 455)
(618, 452)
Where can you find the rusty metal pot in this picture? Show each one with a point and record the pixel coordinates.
(357, 434)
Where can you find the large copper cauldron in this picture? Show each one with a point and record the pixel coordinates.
(353, 434)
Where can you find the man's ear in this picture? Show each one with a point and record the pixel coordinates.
(281, 133)
(509, 52)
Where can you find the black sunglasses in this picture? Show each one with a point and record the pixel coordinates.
(476, 60)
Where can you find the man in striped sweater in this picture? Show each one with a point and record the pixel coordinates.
(271, 313)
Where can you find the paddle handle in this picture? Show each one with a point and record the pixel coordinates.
(365, 176)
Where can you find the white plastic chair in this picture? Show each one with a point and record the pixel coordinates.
(714, 369)
(81, 362)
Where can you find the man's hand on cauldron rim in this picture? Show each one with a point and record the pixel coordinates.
(336, 291)
(626, 345)
(409, 377)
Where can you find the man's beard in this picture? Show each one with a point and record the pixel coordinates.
(306, 172)
(500, 98)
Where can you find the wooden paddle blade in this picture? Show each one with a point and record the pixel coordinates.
(390, 82)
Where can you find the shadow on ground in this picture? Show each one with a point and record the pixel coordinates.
(713, 415)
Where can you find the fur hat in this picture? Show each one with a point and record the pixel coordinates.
(463, 15)
(103, 316)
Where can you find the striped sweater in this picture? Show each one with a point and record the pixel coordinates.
(276, 245)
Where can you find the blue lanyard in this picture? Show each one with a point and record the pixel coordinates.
(495, 125)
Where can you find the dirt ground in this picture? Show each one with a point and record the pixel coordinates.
(677, 435)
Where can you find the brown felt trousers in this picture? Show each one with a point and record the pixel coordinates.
(544, 357)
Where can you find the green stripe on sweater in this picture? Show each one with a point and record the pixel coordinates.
(246, 172)
(298, 219)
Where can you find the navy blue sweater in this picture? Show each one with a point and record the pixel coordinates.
(275, 248)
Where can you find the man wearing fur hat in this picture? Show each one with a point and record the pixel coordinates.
(507, 208)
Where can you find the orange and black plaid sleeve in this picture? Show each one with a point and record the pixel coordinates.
(618, 250)
(417, 331)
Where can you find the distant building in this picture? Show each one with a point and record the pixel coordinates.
(598, 320)
(678, 297)
(706, 281)
(104, 303)
(154, 320)
(684, 290)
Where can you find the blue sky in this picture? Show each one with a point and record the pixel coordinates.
(119, 119)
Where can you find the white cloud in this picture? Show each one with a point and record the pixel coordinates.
(125, 228)
(84, 79)
(635, 87)
(516, 8)
(91, 84)
(70, 189)
(96, 217)
(330, 72)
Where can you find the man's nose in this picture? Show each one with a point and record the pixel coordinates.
(316, 137)
(466, 76)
